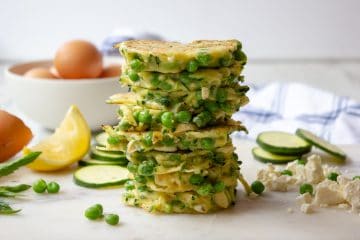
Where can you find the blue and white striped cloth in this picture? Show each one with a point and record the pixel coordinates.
(288, 106)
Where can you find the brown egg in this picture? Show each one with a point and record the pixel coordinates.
(78, 59)
(14, 135)
(39, 72)
(113, 70)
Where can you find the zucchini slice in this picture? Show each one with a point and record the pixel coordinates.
(98, 176)
(101, 139)
(283, 143)
(321, 143)
(107, 155)
(90, 161)
(268, 157)
(11, 166)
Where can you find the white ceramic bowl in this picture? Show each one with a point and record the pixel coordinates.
(47, 100)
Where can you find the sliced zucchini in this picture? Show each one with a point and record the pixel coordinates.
(101, 139)
(10, 166)
(321, 143)
(90, 161)
(107, 155)
(104, 149)
(98, 176)
(283, 143)
(268, 157)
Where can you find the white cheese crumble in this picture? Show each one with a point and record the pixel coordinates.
(328, 192)
(304, 198)
(273, 180)
(306, 208)
(343, 193)
(351, 193)
(313, 169)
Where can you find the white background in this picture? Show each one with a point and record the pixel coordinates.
(277, 29)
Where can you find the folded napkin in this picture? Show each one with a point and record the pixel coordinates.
(288, 106)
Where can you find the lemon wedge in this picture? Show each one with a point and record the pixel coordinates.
(69, 143)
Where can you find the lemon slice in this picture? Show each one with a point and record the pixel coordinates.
(69, 143)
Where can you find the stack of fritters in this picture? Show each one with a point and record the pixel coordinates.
(176, 121)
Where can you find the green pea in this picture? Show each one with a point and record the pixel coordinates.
(203, 59)
(183, 116)
(133, 168)
(219, 186)
(146, 168)
(333, 176)
(165, 86)
(226, 107)
(168, 208)
(205, 190)
(202, 119)
(148, 139)
(112, 219)
(136, 65)
(133, 76)
(93, 212)
(196, 179)
(167, 141)
(167, 119)
(124, 125)
(53, 187)
(140, 179)
(286, 172)
(301, 162)
(155, 80)
(211, 106)
(142, 188)
(100, 207)
(225, 61)
(145, 116)
(306, 188)
(185, 78)
(192, 66)
(240, 56)
(185, 143)
(221, 95)
(219, 158)
(113, 140)
(120, 112)
(136, 115)
(207, 143)
(356, 177)
(39, 186)
(129, 185)
(257, 187)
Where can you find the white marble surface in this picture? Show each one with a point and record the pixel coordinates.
(60, 216)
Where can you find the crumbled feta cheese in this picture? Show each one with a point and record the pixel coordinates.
(298, 171)
(342, 180)
(304, 198)
(352, 194)
(313, 170)
(274, 181)
(328, 192)
(329, 169)
(306, 208)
